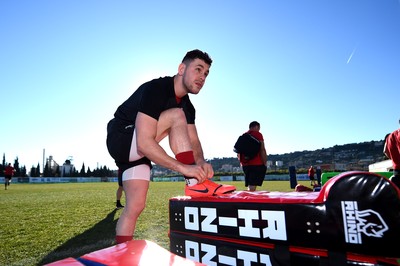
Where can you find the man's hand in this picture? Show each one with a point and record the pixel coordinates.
(207, 169)
(200, 172)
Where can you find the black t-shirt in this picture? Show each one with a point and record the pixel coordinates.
(152, 98)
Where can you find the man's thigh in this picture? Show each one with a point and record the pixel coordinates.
(168, 119)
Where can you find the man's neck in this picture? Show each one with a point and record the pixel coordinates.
(178, 86)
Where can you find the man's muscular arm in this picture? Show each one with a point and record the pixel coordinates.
(146, 130)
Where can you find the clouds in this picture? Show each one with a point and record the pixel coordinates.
(351, 56)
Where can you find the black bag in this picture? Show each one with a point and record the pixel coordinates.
(247, 145)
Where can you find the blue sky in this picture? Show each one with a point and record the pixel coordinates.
(314, 73)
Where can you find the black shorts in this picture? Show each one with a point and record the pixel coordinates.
(119, 142)
(254, 175)
(9, 177)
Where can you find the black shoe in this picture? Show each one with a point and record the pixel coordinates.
(119, 207)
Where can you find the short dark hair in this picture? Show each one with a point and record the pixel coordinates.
(192, 55)
(254, 124)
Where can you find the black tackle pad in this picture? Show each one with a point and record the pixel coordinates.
(354, 212)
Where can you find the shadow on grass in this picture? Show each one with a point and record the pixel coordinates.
(100, 236)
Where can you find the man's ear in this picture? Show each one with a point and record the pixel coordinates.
(181, 69)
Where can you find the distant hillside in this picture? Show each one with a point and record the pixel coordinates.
(354, 156)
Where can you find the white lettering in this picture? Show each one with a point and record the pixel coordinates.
(265, 259)
(352, 228)
(227, 260)
(192, 250)
(211, 252)
(349, 212)
(191, 218)
(227, 221)
(276, 228)
(248, 229)
(211, 215)
(247, 257)
(353, 239)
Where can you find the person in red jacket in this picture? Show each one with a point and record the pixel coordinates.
(392, 151)
(255, 168)
(8, 174)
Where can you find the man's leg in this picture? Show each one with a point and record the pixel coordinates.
(119, 190)
(119, 196)
(135, 201)
(251, 188)
(135, 183)
(173, 123)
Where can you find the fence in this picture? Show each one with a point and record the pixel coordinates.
(40, 180)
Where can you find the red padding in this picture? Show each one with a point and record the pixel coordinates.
(138, 252)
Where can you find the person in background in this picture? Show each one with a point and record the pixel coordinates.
(157, 109)
(120, 189)
(318, 173)
(8, 175)
(255, 168)
(311, 176)
(392, 150)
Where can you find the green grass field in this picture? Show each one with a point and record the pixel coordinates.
(42, 223)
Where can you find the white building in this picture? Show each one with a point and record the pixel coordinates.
(383, 166)
(67, 168)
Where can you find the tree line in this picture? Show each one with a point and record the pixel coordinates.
(21, 171)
